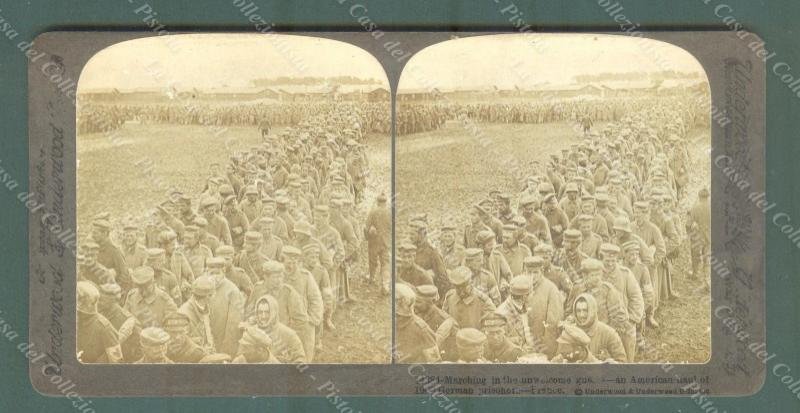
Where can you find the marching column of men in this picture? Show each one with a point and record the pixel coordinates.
(577, 269)
(250, 270)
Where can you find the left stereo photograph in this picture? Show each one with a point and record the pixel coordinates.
(232, 202)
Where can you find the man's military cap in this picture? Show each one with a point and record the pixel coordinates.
(405, 297)
(200, 222)
(215, 262)
(641, 205)
(572, 235)
(571, 187)
(493, 321)
(153, 336)
(449, 225)
(253, 236)
(470, 337)
(542, 248)
(111, 288)
(521, 285)
(155, 253)
(225, 190)
(631, 245)
(207, 201)
(191, 229)
(527, 199)
(545, 187)
(459, 275)
(282, 200)
(473, 253)
(250, 190)
(585, 218)
(510, 227)
(102, 223)
(272, 267)
(609, 248)
(549, 197)
(484, 236)
(175, 322)
(533, 261)
(591, 264)
(229, 199)
(428, 291)
(303, 227)
(310, 248)
(622, 224)
(601, 197)
(90, 245)
(291, 251)
(167, 236)
(142, 275)
(130, 226)
(203, 286)
(225, 250)
(574, 335)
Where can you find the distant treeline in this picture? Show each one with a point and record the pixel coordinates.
(613, 76)
(314, 80)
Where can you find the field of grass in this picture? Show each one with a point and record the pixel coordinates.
(443, 172)
(131, 176)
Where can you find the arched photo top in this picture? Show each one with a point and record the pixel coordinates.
(220, 63)
(550, 61)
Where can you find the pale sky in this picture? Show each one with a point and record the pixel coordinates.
(216, 60)
(523, 60)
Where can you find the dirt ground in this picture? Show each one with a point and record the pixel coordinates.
(443, 172)
(130, 177)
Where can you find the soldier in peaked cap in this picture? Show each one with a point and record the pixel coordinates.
(494, 261)
(250, 259)
(466, 304)
(147, 302)
(108, 254)
(123, 321)
(426, 256)
(154, 346)
(305, 285)
(499, 349)
(471, 345)
(515, 311)
(407, 269)
(197, 310)
(97, 340)
(475, 226)
(416, 341)
(482, 279)
(181, 348)
(623, 280)
(573, 346)
(513, 251)
(164, 278)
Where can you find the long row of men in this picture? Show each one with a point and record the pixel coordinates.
(423, 117)
(250, 270)
(574, 267)
(105, 117)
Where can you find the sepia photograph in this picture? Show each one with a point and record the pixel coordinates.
(553, 202)
(232, 202)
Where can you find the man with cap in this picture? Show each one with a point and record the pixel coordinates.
(197, 311)
(698, 228)
(196, 253)
(425, 306)
(573, 256)
(601, 198)
(622, 279)
(513, 251)
(185, 212)
(551, 271)
(545, 306)
(217, 225)
(251, 205)
(346, 232)
(573, 346)
(499, 349)
(483, 280)
(250, 258)
(605, 342)
(286, 345)
(571, 204)
(206, 239)
(416, 342)
(154, 346)
(97, 340)
(494, 261)
(164, 278)
(305, 285)
(557, 220)
(88, 267)
(146, 301)
(255, 347)
(177, 262)
(108, 254)
(452, 253)
(407, 269)
(133, 252)
(522, 235)
(331, 240)
(427, 257)
(279, 226)
(471, 345)
(226, 306)
(599, 224)
(123, 321)
(466, 304)
(590, 241)
(630, 259)
(291, 310)
(504, 212)
(284, 212)
(236, 219)
(311, 263)
(181, 348)
(236, 275)
(475, 226)
(378, 232)
(653, 238)
(271, 245)
(536, 223)
(515, 311)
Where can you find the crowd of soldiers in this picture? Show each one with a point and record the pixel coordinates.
(251, 270)
(575, 266)
(94, 117)
(424, 117)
